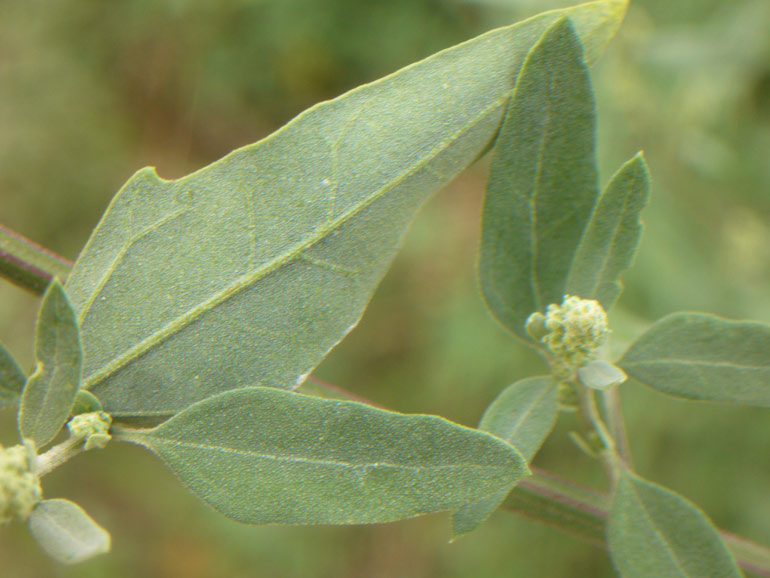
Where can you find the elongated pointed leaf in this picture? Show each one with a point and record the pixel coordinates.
(654, 532)
(523, 415)
(248, 271)
(610, 240)
(703, 357)
(12, 379)
(264, 455)
(50, 391)
(542, 183)
(66, 532)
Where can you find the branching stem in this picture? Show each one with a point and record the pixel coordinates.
(58, 455)
(544, 497)
(27, 264)
(616, 423)
(591, 415)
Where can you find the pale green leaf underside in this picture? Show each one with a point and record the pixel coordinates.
(610, 240)
(66, 532)
(600, 375)
(703, 357)
(50, 391)
(263, 455)
(523, 415)
(12, 379)
(654, 532)
(542, 184)
(248, 271)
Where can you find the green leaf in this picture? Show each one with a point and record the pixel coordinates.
(263, 455)
(600, 375)
(654, 532)
(12, 379)
(249, 271)
(66, 532)
(542, 183)
(523, 415)
(611, 237)
(85, 402)
(703, 357)
(50, 391)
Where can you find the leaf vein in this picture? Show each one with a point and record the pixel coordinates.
(660, 534)
(120, 256)
(308, 460)
(674, 361)
(245, 281)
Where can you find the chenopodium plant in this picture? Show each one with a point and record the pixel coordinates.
(203, 303)
(552, 251)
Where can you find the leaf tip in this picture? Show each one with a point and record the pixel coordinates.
(603, 18)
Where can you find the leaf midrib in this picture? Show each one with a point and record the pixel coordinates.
(690, 362)
(53, 387)
(534, 403)
(659, 533)
(244, 281)
(300, 459)
(84, 545)
(608, 252)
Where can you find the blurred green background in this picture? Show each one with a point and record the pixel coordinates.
(91, 90)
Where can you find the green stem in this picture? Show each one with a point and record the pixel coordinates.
(543, 496)
(616, 423)
(27, 264)
(593, 417)
(583, 512)
(58, 455)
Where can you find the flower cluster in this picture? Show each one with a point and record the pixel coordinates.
(92, 427)
(19, 487)
(572, 331)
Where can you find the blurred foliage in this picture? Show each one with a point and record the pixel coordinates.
(91, 91)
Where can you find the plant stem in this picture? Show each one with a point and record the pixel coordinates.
(543, 496)
(583, 512)
(58, 455)
(27, 264)
(593, 417)
(616, 423)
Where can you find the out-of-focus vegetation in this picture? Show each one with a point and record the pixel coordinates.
(91, 91)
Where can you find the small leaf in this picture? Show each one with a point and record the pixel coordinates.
(248, 271)
(704, 357)
(50, 391)
(85, 402)
(610, 240)
(523, 415)
(654, 532)
(600, 375)
(12, 379)
(542, 183)
(66, 532)
(264, 455)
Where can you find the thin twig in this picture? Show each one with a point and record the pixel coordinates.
(616, 423)
(58, 455)
(27, 264)
(543, 496)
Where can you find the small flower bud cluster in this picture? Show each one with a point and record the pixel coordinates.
(572, 331)
(91, 427)
(19, 487)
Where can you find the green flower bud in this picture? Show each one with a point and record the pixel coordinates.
(572, 331)
(19, 488)
(93, 428)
